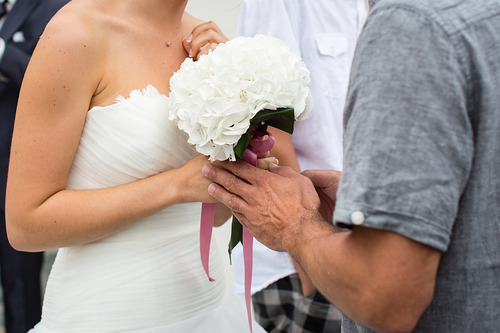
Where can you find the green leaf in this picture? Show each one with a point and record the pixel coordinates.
(236, 235)
(282, 118)
(242, 144)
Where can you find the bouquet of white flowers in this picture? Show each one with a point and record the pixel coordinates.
(246, 80)
(225, 101)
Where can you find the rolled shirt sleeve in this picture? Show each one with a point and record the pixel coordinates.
(408, 144)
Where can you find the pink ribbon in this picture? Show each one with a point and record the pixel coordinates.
(261, 142)
(206, 226)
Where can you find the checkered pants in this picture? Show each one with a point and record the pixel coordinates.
(281, 308)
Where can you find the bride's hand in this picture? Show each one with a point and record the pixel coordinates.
(192, 184)
(203, 38)
(264, 160)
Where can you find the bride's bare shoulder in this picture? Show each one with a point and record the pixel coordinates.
(74, 41)
(77, 23)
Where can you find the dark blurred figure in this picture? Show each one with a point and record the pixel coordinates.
(21, 24)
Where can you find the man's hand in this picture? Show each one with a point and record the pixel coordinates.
(274, 205)
(326, 183)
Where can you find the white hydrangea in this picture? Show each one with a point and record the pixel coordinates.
(214, 98)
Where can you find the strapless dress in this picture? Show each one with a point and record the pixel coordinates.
(149, 277)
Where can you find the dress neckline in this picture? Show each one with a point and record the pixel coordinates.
(149, 91)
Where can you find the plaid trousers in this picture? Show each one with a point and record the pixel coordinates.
(281, 308)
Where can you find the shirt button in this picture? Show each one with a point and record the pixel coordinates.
(357, 217)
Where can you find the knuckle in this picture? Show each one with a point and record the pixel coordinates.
(232, 182)
(233, 203)
(237, 167)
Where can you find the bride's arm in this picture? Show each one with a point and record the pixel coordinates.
(64, 74)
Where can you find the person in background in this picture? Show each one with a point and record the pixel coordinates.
(416, 246)
(324, 34)
(21, 24)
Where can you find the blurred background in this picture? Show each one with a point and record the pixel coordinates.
(223, 12)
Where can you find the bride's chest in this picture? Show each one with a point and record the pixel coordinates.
(134, 134)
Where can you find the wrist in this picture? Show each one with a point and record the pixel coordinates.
(174, 187)
(180, 187)
(303, 232)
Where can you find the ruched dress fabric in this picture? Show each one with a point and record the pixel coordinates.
(149, 277)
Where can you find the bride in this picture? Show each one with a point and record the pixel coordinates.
(98, 171)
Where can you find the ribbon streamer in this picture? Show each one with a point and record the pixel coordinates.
(206, 226)
(261, 142)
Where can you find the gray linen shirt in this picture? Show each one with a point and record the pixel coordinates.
(422, 148)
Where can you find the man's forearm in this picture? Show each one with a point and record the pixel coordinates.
(366, 273)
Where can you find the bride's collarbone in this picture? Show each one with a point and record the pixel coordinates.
(134, 62)
(162, 61)
(129, 73)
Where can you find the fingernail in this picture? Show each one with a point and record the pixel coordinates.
(277, 161)
(211, 188)
(273, 165)
(190, 53)
(205, 169)
(190, 38)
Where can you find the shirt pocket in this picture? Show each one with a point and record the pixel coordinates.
(335, 61)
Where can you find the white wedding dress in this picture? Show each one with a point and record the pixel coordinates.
(149, 277)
